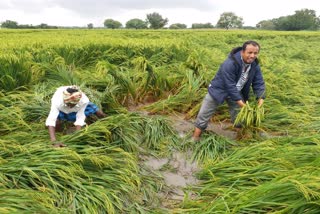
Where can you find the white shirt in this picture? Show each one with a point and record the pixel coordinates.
(57, 105)
(244, 76)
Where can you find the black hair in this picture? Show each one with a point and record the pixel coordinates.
(250, 42)
(72, 90)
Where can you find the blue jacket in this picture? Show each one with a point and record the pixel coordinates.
(224, 83)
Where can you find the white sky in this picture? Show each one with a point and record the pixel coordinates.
(82, 12)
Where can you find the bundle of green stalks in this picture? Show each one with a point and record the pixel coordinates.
(249, 116)
(211, 147)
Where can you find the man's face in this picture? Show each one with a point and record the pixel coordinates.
(250, 54)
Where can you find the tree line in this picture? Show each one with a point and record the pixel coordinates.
(15, 25)
(304, 19)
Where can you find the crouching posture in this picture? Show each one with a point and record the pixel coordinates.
(71, 104)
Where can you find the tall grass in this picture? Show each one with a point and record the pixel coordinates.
(15, 71)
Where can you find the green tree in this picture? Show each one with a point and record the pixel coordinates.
(44, 26)
(304, 19)
(156, 21)
(178, 26)
(229, 20)
(90, 26)
(282, 23)
(266, 25)
(26, 26)
(9, 24)
(201, 25)
(113, 24)
(136, 24)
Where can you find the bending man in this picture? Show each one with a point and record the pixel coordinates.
(232, 84)
(71, 104)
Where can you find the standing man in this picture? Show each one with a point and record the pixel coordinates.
(71, 104)
(232, 84)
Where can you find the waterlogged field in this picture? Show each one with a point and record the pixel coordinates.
(164, 73)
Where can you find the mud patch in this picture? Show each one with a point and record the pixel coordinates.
(70, 130)
(178, 173)
(177, 169)
(185, 128)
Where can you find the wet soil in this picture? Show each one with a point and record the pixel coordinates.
(186, 127)
(177, 169)
(178, 174)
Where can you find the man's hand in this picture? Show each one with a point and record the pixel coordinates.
(241, 103)
(78, 128)
(260, 102)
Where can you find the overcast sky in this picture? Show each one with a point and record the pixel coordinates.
(82, 12)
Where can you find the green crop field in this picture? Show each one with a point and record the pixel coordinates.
(142, 79)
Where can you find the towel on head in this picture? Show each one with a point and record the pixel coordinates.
(72, 98)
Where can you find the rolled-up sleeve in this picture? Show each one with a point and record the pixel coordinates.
(54, 111)
(80, 117)
(53, 115)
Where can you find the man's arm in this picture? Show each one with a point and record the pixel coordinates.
(80, 117)
(51, 122)
(229, 76)
(52, 133)
(258, 84)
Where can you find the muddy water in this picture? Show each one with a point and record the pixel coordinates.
(186, 127)
(177, 172)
